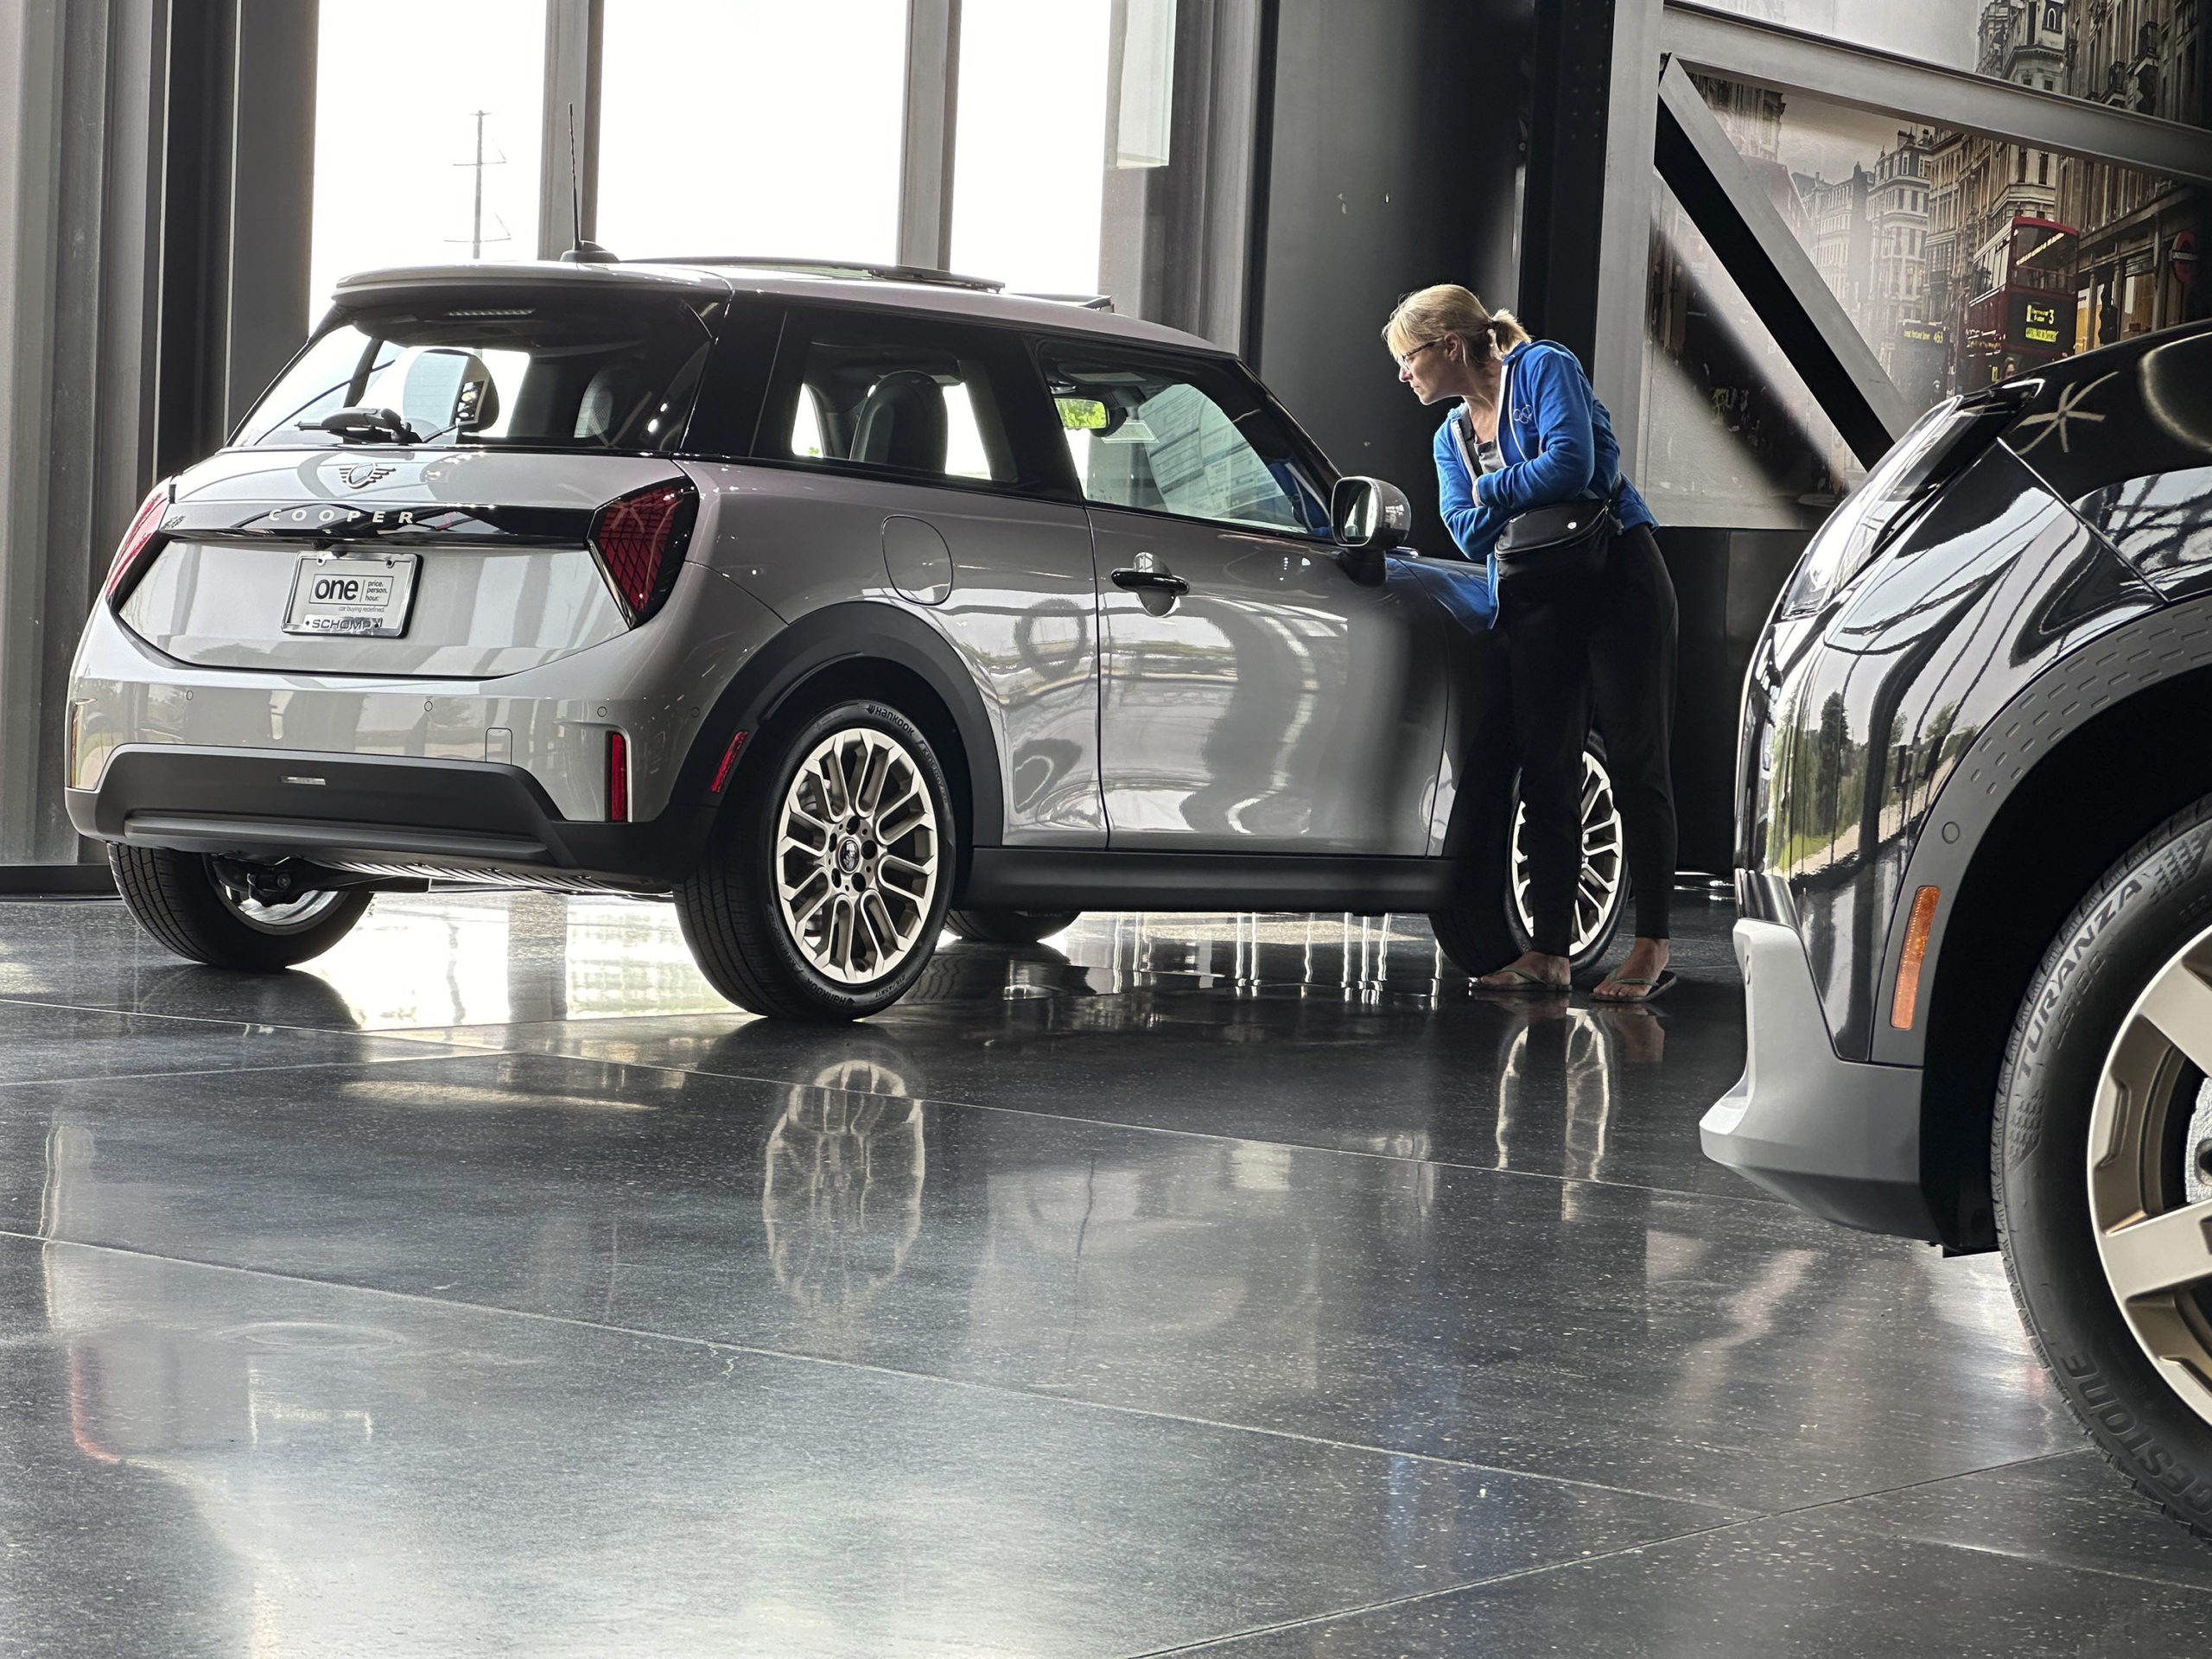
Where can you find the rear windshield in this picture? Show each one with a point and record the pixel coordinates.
(468, 371)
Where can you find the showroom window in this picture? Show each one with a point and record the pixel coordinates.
(1959, 260)
(2132, 55)
(414, 165)
(1731, 435)
(1027, 166)
(752, 127)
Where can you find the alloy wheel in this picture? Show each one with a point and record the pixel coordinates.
(856, 855)
(2150, 1173)
(1597, 889)
(286, 915)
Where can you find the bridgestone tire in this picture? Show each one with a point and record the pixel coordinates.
(1009, 926)
(2146, 908)
(731, 908)
(177, 898)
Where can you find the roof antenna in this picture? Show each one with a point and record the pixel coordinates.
(583, 253)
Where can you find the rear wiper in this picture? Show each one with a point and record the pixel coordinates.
(364, 425)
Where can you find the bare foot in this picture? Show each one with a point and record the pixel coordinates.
(1524, 971)
(1646, 961)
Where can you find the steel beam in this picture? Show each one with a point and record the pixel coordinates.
(926, 143)
(1625, 222)
(1885, 83)
(1774, 272)
(268, 308)
(1571, 100)
(567, 168)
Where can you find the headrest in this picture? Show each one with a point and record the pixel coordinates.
(902, 423)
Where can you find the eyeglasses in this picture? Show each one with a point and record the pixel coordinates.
(1406, 359)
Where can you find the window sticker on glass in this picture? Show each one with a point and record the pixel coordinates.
(1081, 414)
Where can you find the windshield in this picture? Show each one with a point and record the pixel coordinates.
(463, 369)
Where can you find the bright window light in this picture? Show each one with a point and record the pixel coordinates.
(1029, 177)
(395, 167)
(752, 127)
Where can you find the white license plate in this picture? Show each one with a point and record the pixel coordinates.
(364, 597)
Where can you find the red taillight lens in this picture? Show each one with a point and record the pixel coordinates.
(124, 571)
(617, 778)
(640, 539)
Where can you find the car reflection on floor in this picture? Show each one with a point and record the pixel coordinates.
(1175, 1277)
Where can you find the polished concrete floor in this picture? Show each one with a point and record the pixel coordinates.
(1242, 1284)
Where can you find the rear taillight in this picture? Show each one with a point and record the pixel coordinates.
(130, 557)
(618, 778)
(640, 540)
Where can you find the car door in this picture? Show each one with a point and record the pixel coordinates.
(1254, 696)
(912, 469)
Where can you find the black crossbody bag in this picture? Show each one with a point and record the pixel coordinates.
(1549, 552)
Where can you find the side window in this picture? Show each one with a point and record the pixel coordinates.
(889, 395)
(1195, 440)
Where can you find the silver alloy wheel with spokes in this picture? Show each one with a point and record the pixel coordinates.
(2150, 1154)
(287, 915)
(856, 855)
(1597, 890)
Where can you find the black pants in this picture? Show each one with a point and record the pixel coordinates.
(1612, 650)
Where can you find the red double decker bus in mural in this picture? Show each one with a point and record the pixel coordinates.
(2023, 308)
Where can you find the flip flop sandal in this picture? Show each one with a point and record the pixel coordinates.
(1658, 988)
(1530, 985)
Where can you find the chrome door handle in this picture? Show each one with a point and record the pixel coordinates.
(1158, 581)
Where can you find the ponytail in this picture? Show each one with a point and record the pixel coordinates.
(1447, 308)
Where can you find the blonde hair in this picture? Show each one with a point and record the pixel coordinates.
(1447, 308)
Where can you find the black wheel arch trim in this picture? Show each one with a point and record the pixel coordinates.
(2154, 655)
(855, 632)
(2136, 657)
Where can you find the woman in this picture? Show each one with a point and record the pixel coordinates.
(1534, 435)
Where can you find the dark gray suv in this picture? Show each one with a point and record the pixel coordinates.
(840, 605)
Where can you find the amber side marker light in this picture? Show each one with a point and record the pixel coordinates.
(1916, 947)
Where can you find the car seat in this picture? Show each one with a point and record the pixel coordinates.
(901, 423)
(448, 390)
(606, 402)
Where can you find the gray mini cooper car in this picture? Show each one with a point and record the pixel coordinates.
(841, 605)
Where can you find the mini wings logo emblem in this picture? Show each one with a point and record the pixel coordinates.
(360, 476)
(2068, 411)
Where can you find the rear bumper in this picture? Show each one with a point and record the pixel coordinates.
(1835, 1137)
(371, 811)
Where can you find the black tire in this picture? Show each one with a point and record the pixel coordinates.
(1482, 936)
(2125, 935)
(1008, 926)
(731, 908)
(1475, 938)
(178, 899)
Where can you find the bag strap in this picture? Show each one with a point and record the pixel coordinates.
(1463, 433)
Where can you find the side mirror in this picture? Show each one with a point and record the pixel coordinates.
(1366, 512)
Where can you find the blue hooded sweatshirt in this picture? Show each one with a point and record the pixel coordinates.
(1557, 441)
